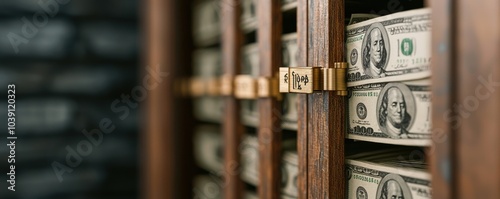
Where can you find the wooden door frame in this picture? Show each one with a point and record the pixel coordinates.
(321, 134)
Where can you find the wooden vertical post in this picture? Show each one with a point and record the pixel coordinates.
(442, 154)
(464, 156)
(269, 41)
(302, 102)
(326, 112)
(167, 172)
(232, 128)
(478, 99)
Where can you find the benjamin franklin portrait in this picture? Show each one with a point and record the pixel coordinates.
(396, 107)
(361, 193)
(393, 187)
(375, 51)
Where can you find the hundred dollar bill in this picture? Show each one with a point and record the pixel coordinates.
(380, 180)
(356, 18)
(207, 64)
(394, 47)
(392, 113)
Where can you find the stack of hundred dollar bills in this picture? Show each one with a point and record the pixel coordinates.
(386, 174)
(389, 78)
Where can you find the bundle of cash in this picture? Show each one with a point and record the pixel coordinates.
(392, 113)
(208, 148)
(207, 25)
(250, 159)
(387, 174)
(389, 48)
(388, 78)
(249, 15)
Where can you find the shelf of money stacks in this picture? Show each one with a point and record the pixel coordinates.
(389, 78)
(209, 149)
(249, 108)
(388, 174)
(389, 96)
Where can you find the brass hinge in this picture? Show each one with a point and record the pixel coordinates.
(310, 79)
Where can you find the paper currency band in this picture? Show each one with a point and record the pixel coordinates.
(310, 79)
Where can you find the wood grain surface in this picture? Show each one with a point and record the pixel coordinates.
(302, 122)
(478, 99)
(168, 162)
(232, 128)
(269, 133)
(326, 112)
(442, 153)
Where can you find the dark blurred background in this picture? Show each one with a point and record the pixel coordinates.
(70, 60)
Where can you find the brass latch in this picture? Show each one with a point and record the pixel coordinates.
(310, 79)
(250, 87)
(245, 87)
(197, 87)
(239, 86)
